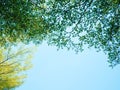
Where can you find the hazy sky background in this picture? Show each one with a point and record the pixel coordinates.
(65, 70)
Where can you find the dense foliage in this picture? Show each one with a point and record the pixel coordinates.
(20, 21)
(95, 23)
(64, 23)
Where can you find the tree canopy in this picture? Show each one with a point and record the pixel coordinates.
(12, 67)
(64, 23)
(95, 23)
(20, 21)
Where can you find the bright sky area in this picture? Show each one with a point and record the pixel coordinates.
(65, 70)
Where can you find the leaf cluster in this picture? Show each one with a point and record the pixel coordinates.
(95, 23)
(12, 67)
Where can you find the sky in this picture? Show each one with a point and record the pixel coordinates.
(66, 70)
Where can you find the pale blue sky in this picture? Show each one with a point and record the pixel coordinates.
(65, 70)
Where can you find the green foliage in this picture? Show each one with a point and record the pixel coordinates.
(64, 23)
(20, 21)
(95, 23)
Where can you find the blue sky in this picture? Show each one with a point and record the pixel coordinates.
(65, 70)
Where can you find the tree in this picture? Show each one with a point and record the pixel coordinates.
(64, 23)
(20, 21)
(96, 23)
(13, 63)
